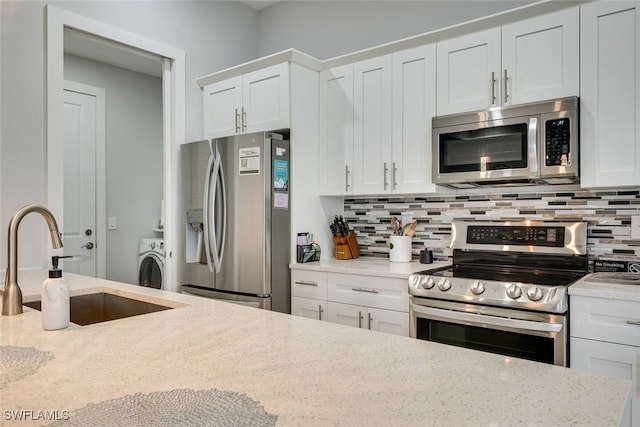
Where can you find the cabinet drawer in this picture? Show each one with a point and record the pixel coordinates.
(380, 292)
(309, 284)
(605, 320)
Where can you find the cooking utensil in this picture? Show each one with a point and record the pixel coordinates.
(410, 229)
(395, 226)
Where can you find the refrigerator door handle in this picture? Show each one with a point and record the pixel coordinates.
(207, 209)
(219, 209)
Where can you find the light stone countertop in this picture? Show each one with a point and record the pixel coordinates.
(305, 372)
(368, 266)
(587, 288)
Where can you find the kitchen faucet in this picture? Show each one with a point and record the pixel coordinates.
(12, 295)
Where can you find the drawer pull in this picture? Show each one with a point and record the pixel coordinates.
(371, 291)
(304, 282)
(633, 322)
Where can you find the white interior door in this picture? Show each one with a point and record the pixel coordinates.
(83, 237)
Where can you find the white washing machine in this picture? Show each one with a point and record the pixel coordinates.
(151, 263)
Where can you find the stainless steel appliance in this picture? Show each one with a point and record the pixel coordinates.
(528, 144)
(506, 290)
(237, 219)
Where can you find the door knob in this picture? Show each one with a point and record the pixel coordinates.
(89, 245)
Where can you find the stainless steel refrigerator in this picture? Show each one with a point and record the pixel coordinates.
(236, 219)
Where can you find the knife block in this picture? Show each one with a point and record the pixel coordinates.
(346, 247)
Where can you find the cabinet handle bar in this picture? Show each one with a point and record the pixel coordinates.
(304, 282)
(371, 291)
(506, 93)
(493, 88)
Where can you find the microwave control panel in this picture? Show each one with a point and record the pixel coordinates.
(557, 137)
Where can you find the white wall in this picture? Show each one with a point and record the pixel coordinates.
(134, 157)
(326, 29)
(214, 36)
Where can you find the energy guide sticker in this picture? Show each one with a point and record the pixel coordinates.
(249, 161)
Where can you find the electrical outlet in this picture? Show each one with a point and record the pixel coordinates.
(113, 223)
(635, 227)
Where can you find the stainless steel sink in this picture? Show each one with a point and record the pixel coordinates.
(103, 307)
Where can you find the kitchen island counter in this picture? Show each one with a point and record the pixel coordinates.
(275, 367)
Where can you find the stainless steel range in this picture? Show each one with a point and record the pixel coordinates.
(506, 290)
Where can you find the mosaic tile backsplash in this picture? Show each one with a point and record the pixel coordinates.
(608, 214)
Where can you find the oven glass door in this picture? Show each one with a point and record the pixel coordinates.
(536, 336)
(506, 343)
(484, 149)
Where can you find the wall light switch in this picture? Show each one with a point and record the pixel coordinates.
(635, 227)
(112, 223)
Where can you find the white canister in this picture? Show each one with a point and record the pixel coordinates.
(400, 249)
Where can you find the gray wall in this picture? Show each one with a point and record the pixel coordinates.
(326, 29)
(134, 157)
(214, 35)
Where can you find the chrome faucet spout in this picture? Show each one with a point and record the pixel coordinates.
(12, 295)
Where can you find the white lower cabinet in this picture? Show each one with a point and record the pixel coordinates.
(374, 319)
(310, 308)
(367, 302)
(309, 294)
(605, 338)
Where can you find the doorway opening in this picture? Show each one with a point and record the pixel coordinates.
(67, 31)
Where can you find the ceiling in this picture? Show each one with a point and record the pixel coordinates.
(259, 4)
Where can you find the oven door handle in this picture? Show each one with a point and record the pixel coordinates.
(483, 320)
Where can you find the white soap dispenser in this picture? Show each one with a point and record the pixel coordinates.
(55, 299)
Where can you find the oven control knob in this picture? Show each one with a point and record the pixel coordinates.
(428, 282)
(535, 293)
(477, 287)
(444, 284)
(414, 281)
(514, 291)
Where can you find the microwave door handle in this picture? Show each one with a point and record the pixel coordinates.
(532, 143)
(206, 208)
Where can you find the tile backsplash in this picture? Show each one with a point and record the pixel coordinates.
(607, 212)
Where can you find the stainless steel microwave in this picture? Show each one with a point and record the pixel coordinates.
(527, 144)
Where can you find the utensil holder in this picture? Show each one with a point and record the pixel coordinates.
(347, 247)
(400, 249)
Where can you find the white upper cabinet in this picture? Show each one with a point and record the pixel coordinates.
(610, 94)
(254, 102)
(375, 125)
(468, 69)
(414, 104)
(222, 107)
(265, 99)
(527, 61)
(540, 58)
(372, 126)
(335, 160)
